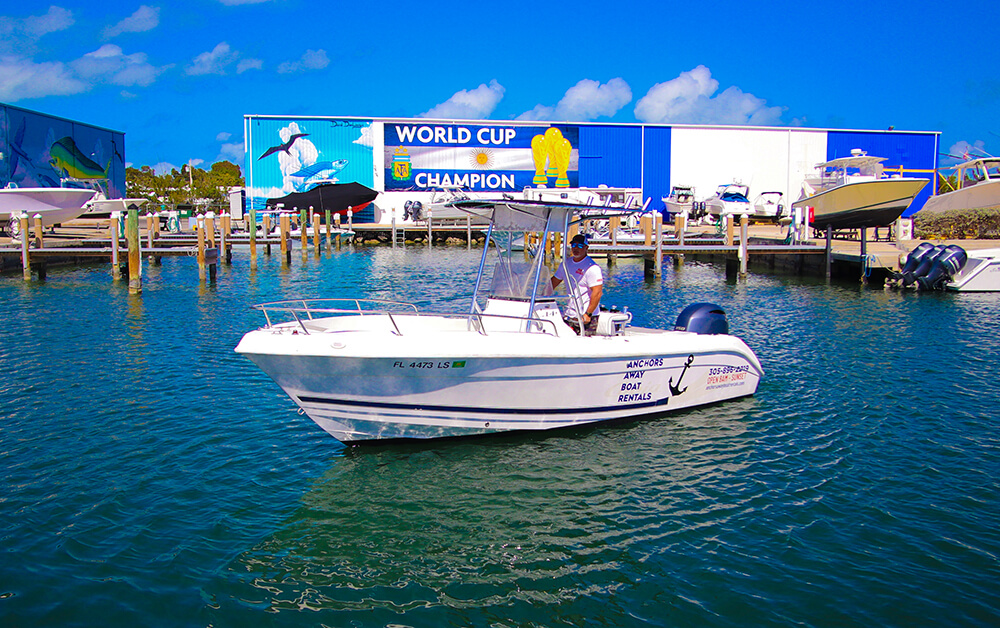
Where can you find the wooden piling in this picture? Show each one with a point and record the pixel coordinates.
(730, 228)
(316, 234)
(468, 235)
(25, 255)
(200, 228)
(134, 255)
(253, 239)
(326, 215)
(303, 233)
(39, 231)
(284, 227)
(210, 228)
(149, 230)
(613, 224)
(829, 251)
(744, 257)
(658, 230)
(430, 229)
(116, 270)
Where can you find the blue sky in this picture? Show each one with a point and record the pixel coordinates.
(178, 77)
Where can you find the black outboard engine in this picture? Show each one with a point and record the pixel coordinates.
(945, 266)
(923, 266)
(406, 209)
(913, 260)
(702, 318)
(416, 210)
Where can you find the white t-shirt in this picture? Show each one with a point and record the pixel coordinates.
(583, 275)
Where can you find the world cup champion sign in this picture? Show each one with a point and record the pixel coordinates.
(480, 158)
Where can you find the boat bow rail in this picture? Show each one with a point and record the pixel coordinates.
(310, 316)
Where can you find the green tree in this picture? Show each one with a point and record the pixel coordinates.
(175, 187)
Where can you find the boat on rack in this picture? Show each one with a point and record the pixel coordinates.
(680, 201)
(730, 200)
(371, 370)
(768, 205)
(54, 205)
(978, 188)
(854, 192)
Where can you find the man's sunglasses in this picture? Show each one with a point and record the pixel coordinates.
(577, 246)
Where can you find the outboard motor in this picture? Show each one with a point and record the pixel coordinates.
(945, 266)
(913, 260)
(923, 267)
(416, 210)
(702, 318)
(406, 209)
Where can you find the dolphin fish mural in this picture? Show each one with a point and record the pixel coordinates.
(70, 161)
(318, 173)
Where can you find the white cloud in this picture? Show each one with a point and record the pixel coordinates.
(164, 167)
(248, 64)
(310, 60)
(473, 104)
(20, 35)
(690, 98)
(57, 19)
(144, 19)
(237, 2)
(224, 136)
(231, 151)
(108, 64)
(214, 61)
(22, 78)
(963, 150)
(585, 101)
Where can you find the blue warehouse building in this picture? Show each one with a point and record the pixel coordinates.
(39, 150)
(408, 158)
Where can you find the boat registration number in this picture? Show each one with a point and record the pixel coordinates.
(447, 364)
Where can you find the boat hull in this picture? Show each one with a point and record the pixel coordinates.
(436, 388)
(985, 194)
(981, 273)
(54, 205)
(862, 204)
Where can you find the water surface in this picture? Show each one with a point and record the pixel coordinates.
(153, 477)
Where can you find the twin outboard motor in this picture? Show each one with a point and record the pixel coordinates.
(702, 318)
(929, 266)
(912, 261)
(949, 262)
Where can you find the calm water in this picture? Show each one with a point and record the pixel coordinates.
(152, 477)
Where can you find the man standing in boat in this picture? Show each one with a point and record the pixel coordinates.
(586, 282)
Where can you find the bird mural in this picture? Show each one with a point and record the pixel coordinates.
(283, 147)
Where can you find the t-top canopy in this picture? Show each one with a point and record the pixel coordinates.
(523, 215)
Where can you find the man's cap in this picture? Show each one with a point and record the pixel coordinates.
(579, 239)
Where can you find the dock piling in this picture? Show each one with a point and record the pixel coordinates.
(116, 270)
(25, 255)
(200, 228)
(134, 257)
(316, 233)
(744, 257)
(39, 231)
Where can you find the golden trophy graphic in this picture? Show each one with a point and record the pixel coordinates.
(553, 136)
(539, 153)
(563, 150)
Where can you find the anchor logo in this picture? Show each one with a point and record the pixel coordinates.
(677, 390)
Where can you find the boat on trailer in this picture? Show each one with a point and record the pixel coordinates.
(368, 370)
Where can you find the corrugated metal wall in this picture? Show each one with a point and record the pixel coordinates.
(656, 169)
(27, 139)
(611, 155)
(916, 151)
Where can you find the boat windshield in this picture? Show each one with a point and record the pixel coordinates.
(513, 281)
(992, 169)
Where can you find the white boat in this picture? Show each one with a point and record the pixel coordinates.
(54, 205)
(768, 205)
(853, 192)
(680, 201)
(100, 206)
(369, 370)
(978, 188)
(730, 200)
(949, 267)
